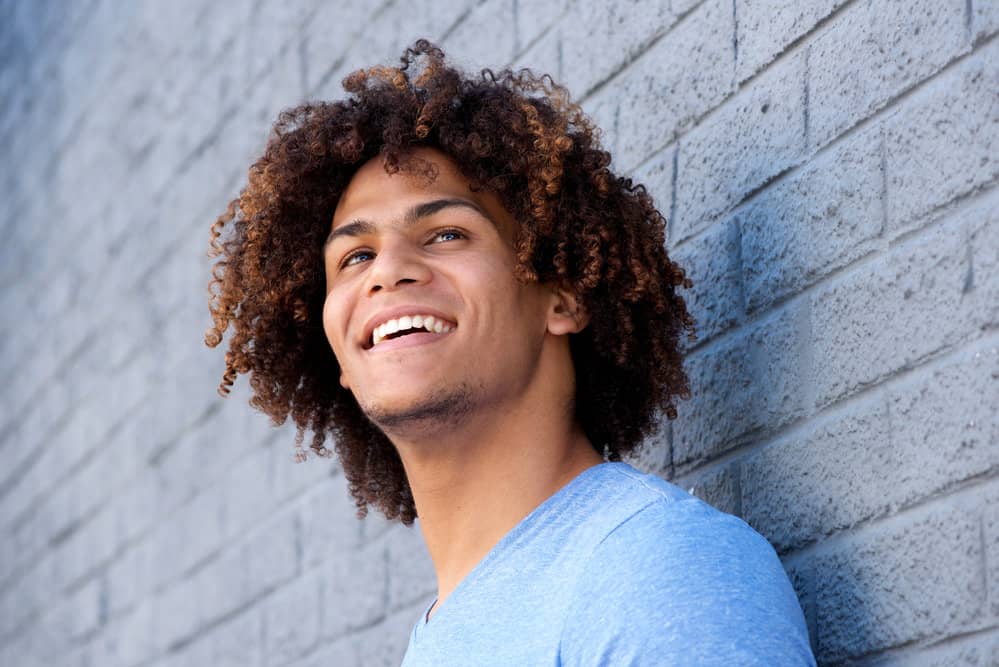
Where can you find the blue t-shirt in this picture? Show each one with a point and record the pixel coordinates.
(619, 568)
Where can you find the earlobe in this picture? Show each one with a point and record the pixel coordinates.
(344, 382)
(567, 314)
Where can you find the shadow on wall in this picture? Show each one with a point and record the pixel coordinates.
(742, 442)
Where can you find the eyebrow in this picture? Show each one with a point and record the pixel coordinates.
(413, 215)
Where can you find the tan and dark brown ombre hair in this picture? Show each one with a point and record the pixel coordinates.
(581, 227)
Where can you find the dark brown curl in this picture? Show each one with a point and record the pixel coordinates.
(581, 227)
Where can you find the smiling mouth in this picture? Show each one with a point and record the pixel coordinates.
(406, 325)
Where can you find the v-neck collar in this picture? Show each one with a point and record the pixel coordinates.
(512, 535)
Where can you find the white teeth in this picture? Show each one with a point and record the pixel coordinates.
(428, 322)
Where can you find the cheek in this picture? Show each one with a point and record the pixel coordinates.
(334, 337)
(331, 318)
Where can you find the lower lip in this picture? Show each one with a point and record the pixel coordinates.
(409, 340)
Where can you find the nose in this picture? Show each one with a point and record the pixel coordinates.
(397, 263)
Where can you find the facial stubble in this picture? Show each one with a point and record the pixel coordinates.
(443, 408)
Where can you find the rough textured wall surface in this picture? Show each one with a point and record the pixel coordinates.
(829, 171)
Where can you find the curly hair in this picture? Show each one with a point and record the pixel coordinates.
(513, 133)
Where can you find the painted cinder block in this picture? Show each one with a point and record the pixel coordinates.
(86, 552)
(910, 579)
(819, 218)
(984, 19)
(465, 42)
(920, 297)
(221, 587)
(176, 616)
(975, 650)
(129, 577)
(385, 643)
(270, 556)
(129, 639)
(723, 403)
(292, 617)
(327, 521)
(355, 592)
(828, 471)
(765, 28)
(598, 38)
(680, 78)
(893, 449)
(411, 576)
(543, 56)
(238, 641)
(719, 488)
(711, 261)
(534, 17)
(942, 143)
(246, 570)
(942, 424)
(990, 535)
(872, 52)
(754, 136)
(189, 537)
(754, 380)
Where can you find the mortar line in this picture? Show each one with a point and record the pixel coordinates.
(984, 545)
(735, 44)
(886, 109)
(928, 223)
(806, 103)
(548, 29)
(917, 646)
(959, 496)
(755, 440)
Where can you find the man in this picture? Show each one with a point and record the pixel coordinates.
(442, 274)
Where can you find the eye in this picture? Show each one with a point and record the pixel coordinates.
(356, 257)
(448, 235)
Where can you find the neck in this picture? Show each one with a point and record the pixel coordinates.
(473, 484)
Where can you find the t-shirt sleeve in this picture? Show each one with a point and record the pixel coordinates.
(680, 583)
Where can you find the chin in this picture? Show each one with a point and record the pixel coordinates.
(441, 406)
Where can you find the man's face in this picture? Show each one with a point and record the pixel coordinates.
(422, 308)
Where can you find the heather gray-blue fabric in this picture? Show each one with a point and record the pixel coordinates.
(619, 568)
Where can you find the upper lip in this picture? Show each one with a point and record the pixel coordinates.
(383, 316)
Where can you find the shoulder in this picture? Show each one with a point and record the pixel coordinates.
(681, 579)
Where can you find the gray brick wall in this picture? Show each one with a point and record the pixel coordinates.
(829, 171)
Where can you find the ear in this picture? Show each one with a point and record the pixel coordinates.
(566, 314)
(344, 378)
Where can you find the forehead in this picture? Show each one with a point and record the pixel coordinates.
(375, 194)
